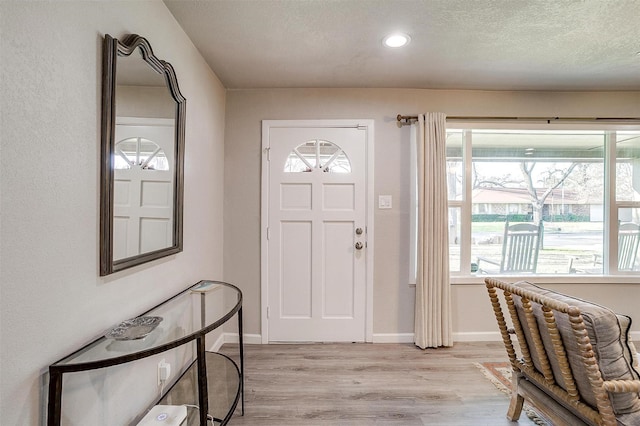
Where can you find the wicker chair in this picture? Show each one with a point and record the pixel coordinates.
(575, 365)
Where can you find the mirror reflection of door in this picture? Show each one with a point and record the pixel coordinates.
(143, 186)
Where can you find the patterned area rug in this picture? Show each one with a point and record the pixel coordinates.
(499, 373)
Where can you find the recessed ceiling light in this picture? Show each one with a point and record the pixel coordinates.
(396, 40)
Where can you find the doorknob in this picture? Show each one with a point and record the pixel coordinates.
(358, 245)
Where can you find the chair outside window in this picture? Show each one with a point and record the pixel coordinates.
(520, 247)
(628, 239)
(628, 242)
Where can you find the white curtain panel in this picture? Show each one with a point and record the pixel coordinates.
(433, 289)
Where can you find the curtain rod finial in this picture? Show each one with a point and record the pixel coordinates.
(406, 119)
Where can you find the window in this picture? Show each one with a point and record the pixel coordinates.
(317, 154)
(581, 185)
(139, 152)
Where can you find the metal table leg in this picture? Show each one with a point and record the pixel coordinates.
(203, 391)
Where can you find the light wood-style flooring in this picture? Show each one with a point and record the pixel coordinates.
(371, 384)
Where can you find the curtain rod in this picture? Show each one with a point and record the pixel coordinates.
(406, 119)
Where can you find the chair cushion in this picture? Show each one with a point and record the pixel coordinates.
(609, 337)
(629, 419)
(630, 352)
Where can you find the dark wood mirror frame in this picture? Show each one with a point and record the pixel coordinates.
(113, 49)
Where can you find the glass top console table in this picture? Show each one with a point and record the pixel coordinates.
(185, 317)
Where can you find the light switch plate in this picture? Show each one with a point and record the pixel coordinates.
(385, 202)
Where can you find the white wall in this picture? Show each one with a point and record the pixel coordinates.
(52, 300)
(393, 298)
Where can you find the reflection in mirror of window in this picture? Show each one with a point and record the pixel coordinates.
(139, 152)
(317, 155)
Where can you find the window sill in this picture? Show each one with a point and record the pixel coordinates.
(549, 279)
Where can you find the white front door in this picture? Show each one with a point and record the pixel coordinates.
(317, 231)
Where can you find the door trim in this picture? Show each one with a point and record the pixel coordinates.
(366, 125)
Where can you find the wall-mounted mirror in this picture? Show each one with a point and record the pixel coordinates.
(141, 196)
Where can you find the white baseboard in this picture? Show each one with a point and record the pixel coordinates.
(251, 339)
(477, 336)
(471, 336)
(233, 338)
(217, 344)
(480, 336)
(488, 336)
(393, 337)
(257, 339)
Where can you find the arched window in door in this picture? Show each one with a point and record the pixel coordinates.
(317, 154)
(139, 152)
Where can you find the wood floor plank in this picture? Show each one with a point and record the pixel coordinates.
(370, 384)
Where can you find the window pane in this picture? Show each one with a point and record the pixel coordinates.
(294, 164)
(455, 169)
(628, 239)
(308, 152)
(320, 154)
(486, 246)
(551, 177)
(581, 241)
(454, 239)
(628, 166)
(555, 178)
(339, 163)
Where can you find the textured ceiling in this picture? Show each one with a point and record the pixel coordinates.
(456, 44)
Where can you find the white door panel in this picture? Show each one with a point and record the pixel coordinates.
(295, 270)
(338, 271)
(317, 198)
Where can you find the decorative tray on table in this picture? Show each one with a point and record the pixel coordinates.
(133, 329)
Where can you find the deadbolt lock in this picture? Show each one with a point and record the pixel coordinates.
(359, 231)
